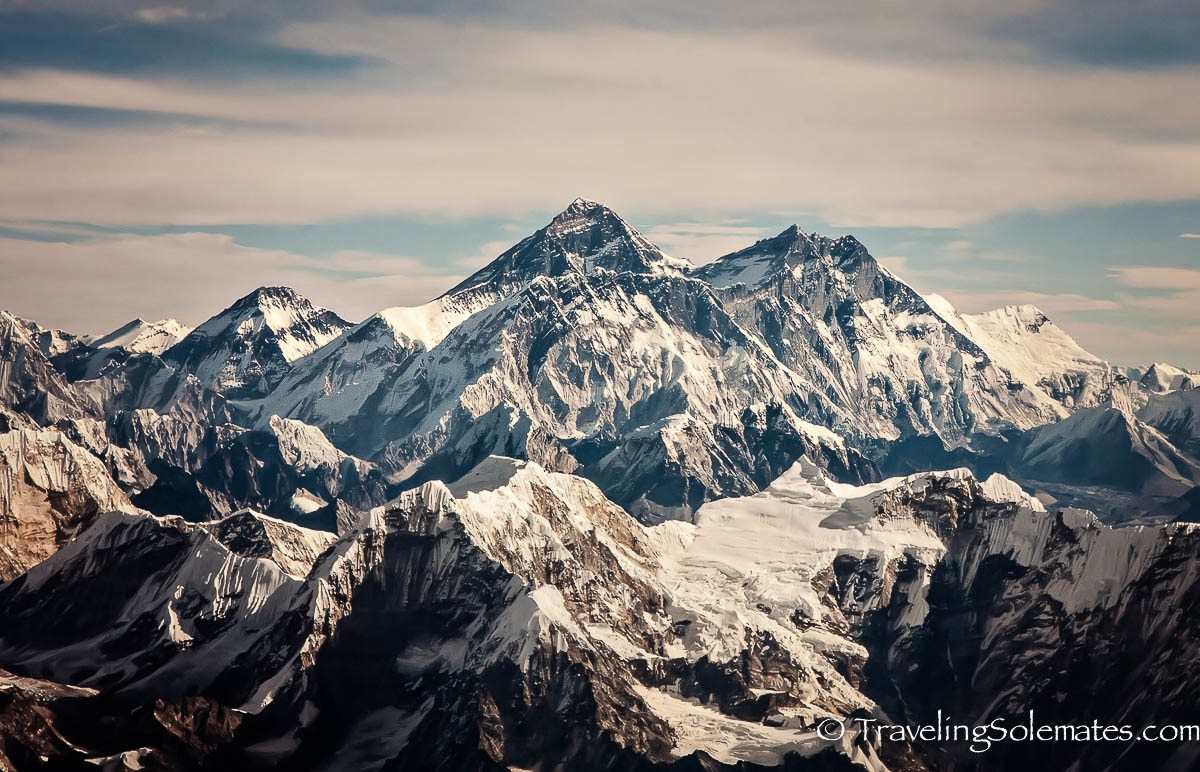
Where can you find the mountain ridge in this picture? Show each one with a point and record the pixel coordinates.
(245, 350)
(592, 508)
(588, 349)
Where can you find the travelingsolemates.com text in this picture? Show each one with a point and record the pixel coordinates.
(981, 738)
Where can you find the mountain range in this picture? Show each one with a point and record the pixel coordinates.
(595, 507)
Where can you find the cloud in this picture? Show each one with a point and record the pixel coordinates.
(1189, 235)
(37, 114)
(1156, 277)
(95, 284)
(1130, 345)
(1108, 32)
(162, 14)
(933, 270)
(1166, 301)
(151, 41)
(703, 243)
(474, 118)
(965, 250)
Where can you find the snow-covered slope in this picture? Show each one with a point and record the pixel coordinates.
(579, 370)
(1035, 352)
(517, 580)
(1113, 450)
(868, 342)
(195, 596)
(336, 383)
(584, 238)
(144, 337)
(522, 604)
(1177, 415)
(1161, 377)
(245, 350)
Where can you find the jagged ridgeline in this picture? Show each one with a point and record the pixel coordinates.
(592, 508)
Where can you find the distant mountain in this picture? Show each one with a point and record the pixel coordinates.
(1161, 378)
(1098, 452)
(1177, 415)
(32, 391)
(246, 350)
(144, 337)
(590, 351)
(1035, 352)
(896, 366)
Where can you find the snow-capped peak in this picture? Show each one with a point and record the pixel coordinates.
(244, 350)
(1161, 377)
(581, 205)
(1034, 351)
(49, 341)
(768, 258)
(581, 239)
(281, 308)
(299, 327)
(144, 337)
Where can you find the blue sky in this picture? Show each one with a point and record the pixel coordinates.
(160, 160)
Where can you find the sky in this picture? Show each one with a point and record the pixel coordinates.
(161, 160)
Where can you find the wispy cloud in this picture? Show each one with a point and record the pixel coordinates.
(702, 243)
(1167, 300)
(94, 284)
(163, 14)
(1158, 277)
(963, 250)
(152, 43)
(467, 117)
(1189, 235)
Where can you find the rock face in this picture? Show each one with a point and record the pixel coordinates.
(32, 391)
(50, 489)
(518, 617)
(902, 365)
(1058, 614)
(245, 350)
(1177, 416)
